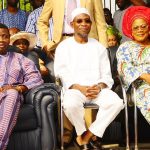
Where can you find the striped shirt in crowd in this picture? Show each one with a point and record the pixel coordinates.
(31, 25)
(17, 20)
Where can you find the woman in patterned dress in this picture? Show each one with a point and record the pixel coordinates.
(134, 56)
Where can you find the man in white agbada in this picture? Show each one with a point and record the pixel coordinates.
(83, 66)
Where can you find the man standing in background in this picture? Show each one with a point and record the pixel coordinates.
(31, 27)
(12, 16)
(60, 11)
(118, 15)
(36, 3)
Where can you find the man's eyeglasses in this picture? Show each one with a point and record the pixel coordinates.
(88, 21)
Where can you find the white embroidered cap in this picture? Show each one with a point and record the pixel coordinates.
(78, 11)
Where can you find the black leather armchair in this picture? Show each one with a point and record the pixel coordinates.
(35, 128)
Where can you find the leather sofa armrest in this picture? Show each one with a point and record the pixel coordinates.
(44, 100)
(30, 95)
(45, 93)
(46, 109)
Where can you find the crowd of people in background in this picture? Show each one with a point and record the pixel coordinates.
(36, 35)
(18, 20)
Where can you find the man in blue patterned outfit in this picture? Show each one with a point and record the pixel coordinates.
(12, 16)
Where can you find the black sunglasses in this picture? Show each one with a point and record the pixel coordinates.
(83, 20)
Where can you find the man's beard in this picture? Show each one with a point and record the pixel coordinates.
(83, 35)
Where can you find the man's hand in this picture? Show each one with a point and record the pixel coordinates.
(43, 70)
(93, 91)
(50, 54)
(19, 88)
(6, 87)
(82, 89)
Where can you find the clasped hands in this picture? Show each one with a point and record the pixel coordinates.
(50, 54)
(19, 88)
(91, 92)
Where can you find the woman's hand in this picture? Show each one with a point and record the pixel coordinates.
(146, 77)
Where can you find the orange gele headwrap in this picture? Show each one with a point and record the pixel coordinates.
(132, 13)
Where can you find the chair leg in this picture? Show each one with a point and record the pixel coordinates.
(135, 121)
(126, 120)
(62, 127)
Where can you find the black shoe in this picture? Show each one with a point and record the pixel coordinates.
(66, 145)
(96, 145)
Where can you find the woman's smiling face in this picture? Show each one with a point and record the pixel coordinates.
(140, 30)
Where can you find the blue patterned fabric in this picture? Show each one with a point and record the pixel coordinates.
(133, 61)
(31, 25)
(17, 20)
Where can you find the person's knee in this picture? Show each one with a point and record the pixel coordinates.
(12, 92)
(71, 104)
(113, 100)
(72, 100)
(119, 104)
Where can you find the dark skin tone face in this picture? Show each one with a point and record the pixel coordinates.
(123, 4)
(22, 44)
(37, 3)
(4, 40)
(12, 3)
(82, 26)
(140, 31)
(108, 17)
(13, 31)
